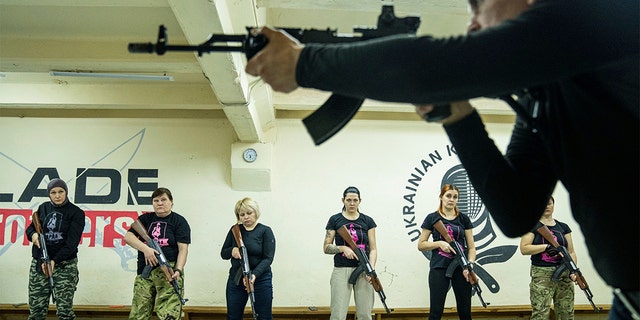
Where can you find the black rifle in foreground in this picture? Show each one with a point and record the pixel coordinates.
(569, 264)
(44, 255)
(336, 112)
(461, 259)
(246, 269)
(162, 260)
(363, 260)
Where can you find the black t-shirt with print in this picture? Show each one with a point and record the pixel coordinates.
(167, 231)
(358, 228)
(455, 227)
(559, 231)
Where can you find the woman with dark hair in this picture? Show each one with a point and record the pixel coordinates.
(173, 234)
(261, 249)
(62, 223)
(545, 283)
(363, 232)
(460, 229)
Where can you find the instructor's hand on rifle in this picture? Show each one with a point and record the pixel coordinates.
(276, 63)
(459, 111)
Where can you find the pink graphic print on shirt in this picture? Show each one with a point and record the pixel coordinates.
(354, 236)
(548, 258)
(157, 233)
(450, 232)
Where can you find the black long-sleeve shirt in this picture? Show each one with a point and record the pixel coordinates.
(62, 227)
(261, 247)
(584, 57)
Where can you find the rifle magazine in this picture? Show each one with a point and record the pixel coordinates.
(146, 272)
(356, 273)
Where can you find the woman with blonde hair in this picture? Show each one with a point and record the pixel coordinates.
(261, 248)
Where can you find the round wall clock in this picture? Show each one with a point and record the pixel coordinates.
(249, 155)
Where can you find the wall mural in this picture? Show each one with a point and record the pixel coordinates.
(97, 184)
(420, 185)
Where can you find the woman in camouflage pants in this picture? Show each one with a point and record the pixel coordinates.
(62, 223)
(544, 286)
(173, 234)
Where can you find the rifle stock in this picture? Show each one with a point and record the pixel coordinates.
(246, 268)
(164, 264)
(363, 259)
(44, 254)
(569, 263)
(338, 110)
(462, 259)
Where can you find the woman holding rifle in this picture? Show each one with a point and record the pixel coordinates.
(546, 284)
(363, 232)
(460, 229)
(260, 244)
(173, 234)
(61, 223)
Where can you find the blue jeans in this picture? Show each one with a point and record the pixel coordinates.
(237, 297)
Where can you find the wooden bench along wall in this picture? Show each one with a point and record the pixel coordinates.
(515, 312)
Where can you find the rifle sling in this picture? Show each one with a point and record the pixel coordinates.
(356, 273)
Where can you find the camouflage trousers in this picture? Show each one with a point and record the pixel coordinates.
(155, 291)
(65, 280)
(542, 290)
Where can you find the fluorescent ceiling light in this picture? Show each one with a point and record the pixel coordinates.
(112, 75)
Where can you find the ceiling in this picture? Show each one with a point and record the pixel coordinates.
(37, 37)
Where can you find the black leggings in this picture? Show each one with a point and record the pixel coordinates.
(439, 286)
